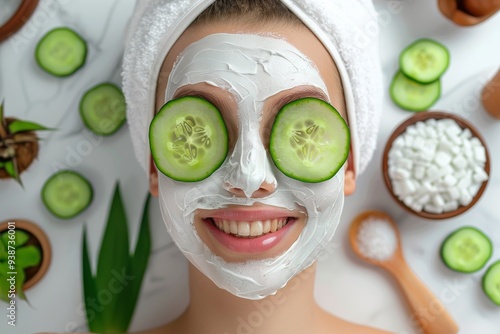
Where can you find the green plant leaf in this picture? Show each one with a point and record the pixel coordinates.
(119, 274)
(2, 164)
(20, 238)
(3, 251)
(18, 126)
(28, 256)
(11, 169)
(20, 278)
(4, 284)
(137, 268)
(92, 306)
(113, 259)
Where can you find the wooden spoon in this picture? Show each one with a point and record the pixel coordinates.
(427, 310)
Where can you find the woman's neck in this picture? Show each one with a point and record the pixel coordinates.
(215, 311)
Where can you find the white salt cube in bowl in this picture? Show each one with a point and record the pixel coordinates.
(439, 169)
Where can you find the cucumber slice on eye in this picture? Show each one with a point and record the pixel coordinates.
(466, 250)
(188, 139)
(424, 61)
(103, 109)
(66, 194)
(413, 96)
(309, 140)
(491, 283)
(61, 52)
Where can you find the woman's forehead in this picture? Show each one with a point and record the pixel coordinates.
(248, 66)
(300, 37)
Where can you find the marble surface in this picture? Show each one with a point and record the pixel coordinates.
(345, 286)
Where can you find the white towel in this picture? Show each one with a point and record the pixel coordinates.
(345, 27)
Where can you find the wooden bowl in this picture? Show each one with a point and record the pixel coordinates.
(468, 12)
(19, 18)
(423, 116)
(39, 239)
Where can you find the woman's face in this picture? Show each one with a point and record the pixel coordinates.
(249, 227)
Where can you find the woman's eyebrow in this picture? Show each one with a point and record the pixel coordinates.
(221, 102)
(298, 93)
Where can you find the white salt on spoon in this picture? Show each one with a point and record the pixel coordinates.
(374, 237)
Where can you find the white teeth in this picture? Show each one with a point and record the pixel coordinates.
(244, 229)
(250, 229)
(274, 225)
(226, 227)
(234, 227)
(256, 228)
(266, 226)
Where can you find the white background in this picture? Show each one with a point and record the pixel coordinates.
(345, 286)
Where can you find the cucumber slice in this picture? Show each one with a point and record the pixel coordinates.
(66, 194)
(61, 52)
(491, 283)
(309, 140)
(466, 250)
(424, 61)
(413, 96)
(188, 139)
(103, 109)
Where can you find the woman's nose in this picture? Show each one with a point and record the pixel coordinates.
(264, 190)
(249, 172)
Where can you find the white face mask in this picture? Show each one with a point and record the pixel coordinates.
(252, 68)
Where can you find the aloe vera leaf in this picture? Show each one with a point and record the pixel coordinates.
(94, 322)
(113, 258)
(137, 267)
(28, 256)
(24, 126)
(21, 238)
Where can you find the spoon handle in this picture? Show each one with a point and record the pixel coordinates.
(427, 310)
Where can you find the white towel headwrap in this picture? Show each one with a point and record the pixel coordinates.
(343, 26)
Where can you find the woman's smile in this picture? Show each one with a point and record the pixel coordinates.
(262, 231)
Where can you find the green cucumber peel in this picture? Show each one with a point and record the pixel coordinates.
(309, 140)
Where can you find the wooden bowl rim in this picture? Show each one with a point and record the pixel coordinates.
(46, 250)
(423, 116)
(19, 18)
(449, 8)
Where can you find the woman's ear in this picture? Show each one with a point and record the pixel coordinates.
(349, 177)
(153, 179)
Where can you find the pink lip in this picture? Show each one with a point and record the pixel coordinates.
(248, 245)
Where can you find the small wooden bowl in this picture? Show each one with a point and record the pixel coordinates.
(467, 13)
(19, 18)
(39, 239)
(423, 116)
